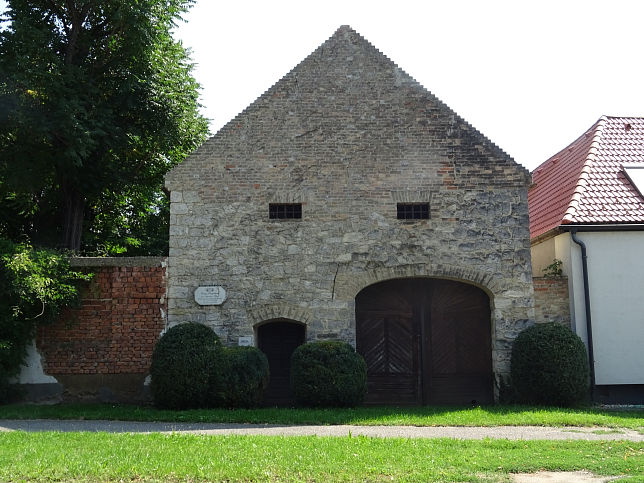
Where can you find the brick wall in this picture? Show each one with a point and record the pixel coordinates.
(120, 320)
(551, 303)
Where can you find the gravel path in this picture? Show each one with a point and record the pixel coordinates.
(498, 432)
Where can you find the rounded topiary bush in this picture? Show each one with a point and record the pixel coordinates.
(5, 388)
(184, 366)
(244, 377)
(550, 366)
(329, 373)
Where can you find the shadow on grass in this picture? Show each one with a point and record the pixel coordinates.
(497, 415)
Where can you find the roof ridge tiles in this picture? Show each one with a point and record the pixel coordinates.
(588, 185)
(585, 173)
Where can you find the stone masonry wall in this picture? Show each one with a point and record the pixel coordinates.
(551, 302)
(348, 135)
(115, 329)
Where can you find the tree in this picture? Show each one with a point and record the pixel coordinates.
(97, 102)
(35, 286)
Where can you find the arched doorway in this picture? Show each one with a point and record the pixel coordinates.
(278, 339)
(425, 341)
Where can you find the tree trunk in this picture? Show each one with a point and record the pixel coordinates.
(73, 215)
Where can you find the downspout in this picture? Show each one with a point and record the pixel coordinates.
(589, 329)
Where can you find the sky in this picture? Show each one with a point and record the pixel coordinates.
(530, 75)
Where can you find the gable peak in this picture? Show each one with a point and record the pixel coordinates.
(344, 30)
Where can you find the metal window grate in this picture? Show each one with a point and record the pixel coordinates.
(413, 211)
(285, 211)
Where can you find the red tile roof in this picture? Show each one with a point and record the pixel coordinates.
(585, 182)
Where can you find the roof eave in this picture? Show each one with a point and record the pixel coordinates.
(603, 227)
(553, 232)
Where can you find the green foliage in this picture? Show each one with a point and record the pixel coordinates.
(244, 377)
(191, 369)
(35, 285)
(136, 224)
(550, 366)
(184, 365)
(328, 373)
(554, 269)
(97, 103)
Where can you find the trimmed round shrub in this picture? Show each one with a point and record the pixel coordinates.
(329, 373)
(550, 366)
(184, 366)
(244, 377)
(5, 387)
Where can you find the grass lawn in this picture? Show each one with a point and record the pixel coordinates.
(181, 457)
(366, 416)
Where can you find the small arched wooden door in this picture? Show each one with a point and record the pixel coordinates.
(278, 339)
(425, 341)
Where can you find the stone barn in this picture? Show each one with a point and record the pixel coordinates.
(348, 202)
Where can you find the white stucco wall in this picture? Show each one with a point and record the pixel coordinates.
(32, 371)
(616, 282)
(564, 251)
(542, 255)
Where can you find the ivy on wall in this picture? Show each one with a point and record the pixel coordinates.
(35, 285)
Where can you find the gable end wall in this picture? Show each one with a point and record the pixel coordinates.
(347, 134)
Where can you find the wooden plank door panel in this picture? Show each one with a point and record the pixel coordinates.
(386, 336)
(460, 346)
(278, 340)
(425, 341)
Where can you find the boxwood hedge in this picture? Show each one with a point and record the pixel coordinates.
(328, 373)
(185, 367)
(244, 377)
(550, 366)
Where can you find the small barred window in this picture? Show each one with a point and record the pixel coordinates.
(413, 211)
(285, 211)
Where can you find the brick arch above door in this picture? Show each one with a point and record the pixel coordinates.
(280, 310)
(511, 301)
(348, 285)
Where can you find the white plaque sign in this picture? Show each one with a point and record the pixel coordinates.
(210, 295)
(246, 341)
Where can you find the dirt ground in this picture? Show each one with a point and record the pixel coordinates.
(496, 432)
(561, 477)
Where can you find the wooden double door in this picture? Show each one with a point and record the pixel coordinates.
(425, 341)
